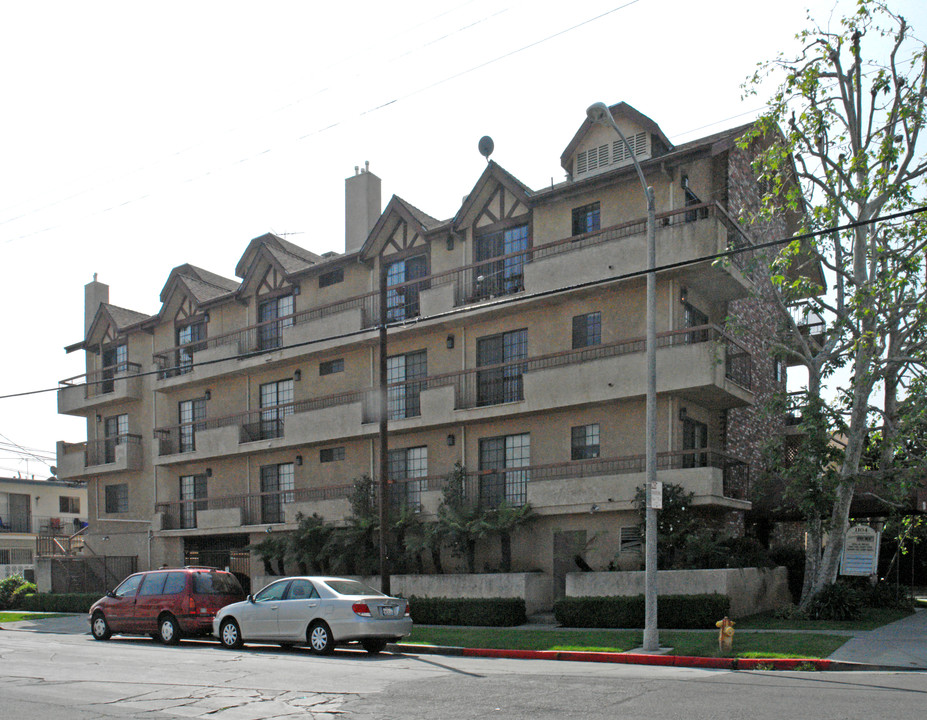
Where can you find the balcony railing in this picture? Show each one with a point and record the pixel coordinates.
(502, 275)
(102, 381)
(488, 488)
(56, 526)
(103, 452)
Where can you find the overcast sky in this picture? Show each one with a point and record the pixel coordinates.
(140, 136)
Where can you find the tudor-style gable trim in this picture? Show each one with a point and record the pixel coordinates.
(273, 283)
(497, 196)
(400, 229)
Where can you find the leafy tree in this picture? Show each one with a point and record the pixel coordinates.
(502, 521)
(462, 523)
(273, 549)
(308, 542)
(851, 109)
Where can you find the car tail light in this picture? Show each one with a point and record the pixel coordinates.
(408, 611)
(191, 605)
(361, 609)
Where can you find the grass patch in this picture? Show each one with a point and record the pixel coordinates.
(17, 616)
(871, 619)
(697, 644)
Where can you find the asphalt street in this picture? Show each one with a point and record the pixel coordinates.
(53, 674)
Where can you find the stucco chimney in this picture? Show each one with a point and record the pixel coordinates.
(361, 207)
(95, 293)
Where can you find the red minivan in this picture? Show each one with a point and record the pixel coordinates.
(166, 604)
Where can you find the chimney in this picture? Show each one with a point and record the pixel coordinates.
(95, 294)
(361, 207)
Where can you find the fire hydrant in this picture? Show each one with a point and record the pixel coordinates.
(725, 634)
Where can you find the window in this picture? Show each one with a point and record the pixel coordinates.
(332, 277)
(277, 484)
(273, 592)
(115, 360)
(191, 414)
(115, 430)
(302, 590)
(153, 584)
(630, 539)
(778, 370)
(193, 498)
(586, 219)
(175, 584)
(117, 498)
(404, 395)
(69, 504)
(128, 586)
(691, 200)
(404, 465)
(402, 302)
(587, 330)
(273, 316)
(502, 383)
(189, 339)
(505, 482)
(584, 442)
(695, 318)
(330, 367)
(16, 556)
(276, 403)
(694, 437)
(327, 455)
(504, 276)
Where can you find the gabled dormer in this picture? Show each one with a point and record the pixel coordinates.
(497, 197)
(595, 149)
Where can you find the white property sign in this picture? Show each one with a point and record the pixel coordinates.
(860, 551)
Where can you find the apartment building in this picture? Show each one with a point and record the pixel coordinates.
(515, 348)
(38, 518)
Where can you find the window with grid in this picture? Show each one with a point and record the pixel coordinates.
(694, 437)
(69, 504)
(330, 367)
(504, 276)
(693, 318)
(116, 498)
(327, 455)
(332, 277)
(274, 315)
(277, 484)
(190, 414)
(115, 360)
(404, 465)
(586, 219)
(276, 403)
(115, 430)
(584, 442)
(192, 488)
(404, 400)
(587, 330)
(501, 479)
(630, 539)
(190, 337)
(402, 302)
(501, 384)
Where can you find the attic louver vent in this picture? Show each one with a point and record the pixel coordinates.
(597, 157)
(638, 142)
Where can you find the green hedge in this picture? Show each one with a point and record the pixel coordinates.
(491, 612)
(674, 611)
(60, 602)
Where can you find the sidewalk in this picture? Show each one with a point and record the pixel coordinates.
(901, 645)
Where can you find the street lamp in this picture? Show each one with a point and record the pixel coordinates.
(599, 113)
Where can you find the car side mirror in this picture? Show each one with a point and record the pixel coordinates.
(110, 594)
(251, 599)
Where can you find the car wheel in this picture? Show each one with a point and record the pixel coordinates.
(320, 638)
(99, 628)
(230, 635)
(169, 630)
(373, 645)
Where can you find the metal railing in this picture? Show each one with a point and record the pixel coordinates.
(103, 452)
(56, 526)
(501, 275)
(102, 381)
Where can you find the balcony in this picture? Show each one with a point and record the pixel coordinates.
(83, 393)
(811, 326)
(120, 453)
(716, 478)
(28, 524)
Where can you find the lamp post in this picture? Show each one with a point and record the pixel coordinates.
(599, 113)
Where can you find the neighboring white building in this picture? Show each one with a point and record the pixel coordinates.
(36, 513)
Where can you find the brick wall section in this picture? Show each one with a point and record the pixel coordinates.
(754, 320)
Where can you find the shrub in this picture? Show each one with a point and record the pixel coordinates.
(836, 602)
(59, 602)
(488, 612)
(673, 611)
(12, 590)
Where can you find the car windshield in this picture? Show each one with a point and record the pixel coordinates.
(352, 587)
(214, 583)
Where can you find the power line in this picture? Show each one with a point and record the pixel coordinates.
(510, 300)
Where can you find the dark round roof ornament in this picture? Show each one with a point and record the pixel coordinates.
(486, 147)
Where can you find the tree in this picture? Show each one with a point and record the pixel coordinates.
(851, 109)
(462, 523)
(502, 521)
(273, 548)
(308, 542)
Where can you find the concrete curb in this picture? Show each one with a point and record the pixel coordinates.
(642, 659)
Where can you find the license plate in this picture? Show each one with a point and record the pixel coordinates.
(388, 611)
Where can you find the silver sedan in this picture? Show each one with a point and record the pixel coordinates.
(320, 612)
